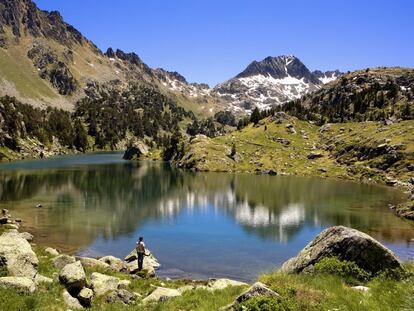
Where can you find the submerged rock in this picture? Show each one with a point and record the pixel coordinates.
(345, 244)
(17, 255)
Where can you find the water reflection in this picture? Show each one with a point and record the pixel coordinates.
(88, 206)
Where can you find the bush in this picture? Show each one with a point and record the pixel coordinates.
(397, 274)
(264, 303)
(346, 270)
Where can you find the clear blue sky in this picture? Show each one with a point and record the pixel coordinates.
(213, 40)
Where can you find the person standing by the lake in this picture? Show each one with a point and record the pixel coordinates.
(140, 252)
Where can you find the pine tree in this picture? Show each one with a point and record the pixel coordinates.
(255, 117)
(81, 138)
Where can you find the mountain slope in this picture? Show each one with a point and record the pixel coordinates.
(270, 82)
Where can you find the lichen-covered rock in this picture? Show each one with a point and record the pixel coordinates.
(85, 297)
(18, 256)
(92, 263)
(21, 284)
(150, 263)
(70, 301)
(161, 294)
(121, 296)
(52, 251)
(42, 279)
(73, 277)
(115, 263)
(102, 283)
(345, 244)
(214, 284)
(63, 260)
(27, 236)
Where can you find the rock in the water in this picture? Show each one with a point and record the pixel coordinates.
(63, 260)
(21, 284)
(214, 284)
(70, 301)
(115, 263)
(135, 151)
(102, 283)
(4, 220)
(52, 251)
(345, 244)
(92, 263)
(162, 294)
(73, 277)
(85, 297)
(18, 256)
(121, 296)
(27, 236)
(42, 279)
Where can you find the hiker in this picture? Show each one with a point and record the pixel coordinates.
(140, 252)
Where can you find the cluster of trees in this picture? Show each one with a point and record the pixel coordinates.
(18, 120)
(107, 117)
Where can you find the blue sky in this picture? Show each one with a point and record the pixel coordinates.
(213, 40)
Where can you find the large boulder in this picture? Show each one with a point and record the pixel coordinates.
(21, 284)
(345, 244)
(85, 297)
(162, 294)
(18, 256)
(73, 277)
(102, 283)
(62, 260)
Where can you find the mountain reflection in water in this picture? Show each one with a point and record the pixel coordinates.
(198, 224)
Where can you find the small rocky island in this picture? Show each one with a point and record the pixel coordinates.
(27, 271)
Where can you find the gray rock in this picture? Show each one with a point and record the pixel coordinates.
(102, 283)
(345, 244)
(115, 263)
(18, 256)
(314, 155)
(70, 301)
(3, 220)
(21, 284)
(42, 279)
(27, 236)
(150, 263)
(52, 251)
(85, 297)
(121, 296)
(63, 260)
(124, 284)
(256, 290)
(136, 150)
(92, 263)
(162, 294)
(73, 277)
(214, 284)
(361, 288)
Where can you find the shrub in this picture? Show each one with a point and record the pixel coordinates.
(264, 303)
(346, 270)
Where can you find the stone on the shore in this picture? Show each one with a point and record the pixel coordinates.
(136, 150)
(85, 297)
(62, 260)
(345, 244)
(102, 283)
(4, 220)
(162, 294)
(21, 284)
(52, 251)
(73, 277)
(115, 263)
(121, 296)
(18, 256)
(42, 279)
(149, 265)
(27, 236)
(70, 301)
(214, 284)
(257, 289)
(92, 263)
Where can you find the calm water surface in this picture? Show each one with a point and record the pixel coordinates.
(198, 224)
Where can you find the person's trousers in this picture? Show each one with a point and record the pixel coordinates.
(140, 261)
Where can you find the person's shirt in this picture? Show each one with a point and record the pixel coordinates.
(141, 247)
